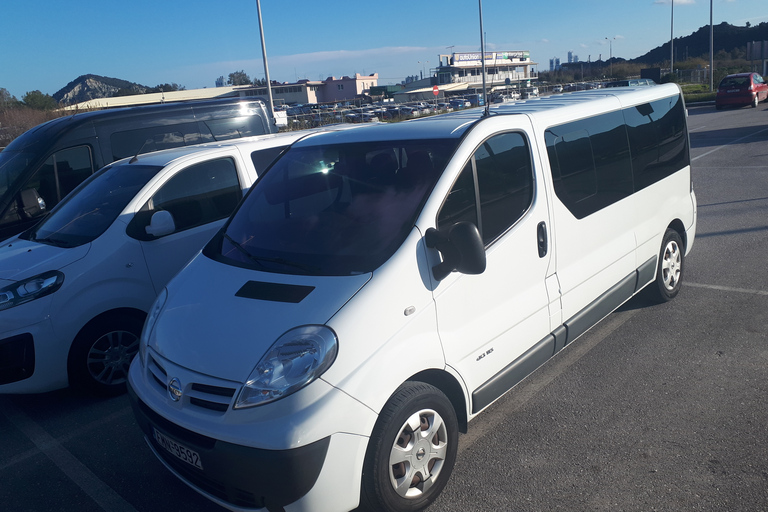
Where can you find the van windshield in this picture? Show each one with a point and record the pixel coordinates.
(333, 210)
(92, 207)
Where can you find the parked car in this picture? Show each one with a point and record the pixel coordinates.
(741, 89)
(378, 288)
(45, 163)
(75, 288)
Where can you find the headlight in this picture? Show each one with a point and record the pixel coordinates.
(298, 357)
(149, 324)
(30, 289)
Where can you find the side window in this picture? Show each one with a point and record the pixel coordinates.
(263, 158)
(146, 140)
(590, 163)
(494, 190)
(235, 127)
(61, 173)
(658, 140)
(199, 194)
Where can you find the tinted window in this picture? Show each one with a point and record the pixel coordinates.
(199, 194)
(590, 163)
(501, 168)
(147, 140)
(236, 127)
(658, 140)
(263, 158)
(61, 173)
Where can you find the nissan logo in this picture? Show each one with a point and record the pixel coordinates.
(174, 389)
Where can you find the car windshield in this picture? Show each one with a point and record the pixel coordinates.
(12, 165)
(333, 210)
(92, 207)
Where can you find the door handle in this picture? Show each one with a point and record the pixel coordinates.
(541, 239)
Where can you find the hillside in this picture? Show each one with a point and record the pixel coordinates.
(726, 38)
(88, 87)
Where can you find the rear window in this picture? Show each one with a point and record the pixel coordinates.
(735, 82)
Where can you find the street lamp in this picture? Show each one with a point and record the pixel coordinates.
(423, 68)
(610, 52)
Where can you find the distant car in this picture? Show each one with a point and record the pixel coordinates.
(741, 89)
(75, 288)
(557, 88)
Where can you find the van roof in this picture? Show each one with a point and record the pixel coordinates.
(55, 128)
(166, 156)
(549, 110)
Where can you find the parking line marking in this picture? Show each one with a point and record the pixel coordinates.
(97, 490)
(732, 142)
(726, 288)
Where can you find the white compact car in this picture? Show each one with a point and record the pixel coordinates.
(379, 287)
(75, 288)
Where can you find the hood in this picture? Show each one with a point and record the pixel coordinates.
(219, 320)
(20, 259)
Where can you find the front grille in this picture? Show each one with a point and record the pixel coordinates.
(206, 396)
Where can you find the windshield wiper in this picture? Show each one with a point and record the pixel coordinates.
(58, 242)
(261, 259)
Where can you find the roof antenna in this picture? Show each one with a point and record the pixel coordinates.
(482, 59)
(136, 156)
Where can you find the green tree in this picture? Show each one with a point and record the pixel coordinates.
(239, 78)
(6, 99)
(38, 101)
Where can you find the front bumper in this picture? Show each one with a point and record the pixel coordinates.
(302, 453)
(238, 476)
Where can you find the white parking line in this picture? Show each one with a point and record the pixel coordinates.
(75, 470)
(726, 288)
(724, 145)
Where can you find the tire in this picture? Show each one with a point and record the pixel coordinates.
(669, 269)
(102, 353)
(404, 472)
(755, 101)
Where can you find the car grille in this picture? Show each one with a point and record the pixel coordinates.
(217, 398)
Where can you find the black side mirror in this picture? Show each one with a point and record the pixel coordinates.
(461, 247)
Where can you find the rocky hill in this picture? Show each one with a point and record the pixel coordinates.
(89, 87)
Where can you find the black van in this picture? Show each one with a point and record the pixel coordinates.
(45, 163)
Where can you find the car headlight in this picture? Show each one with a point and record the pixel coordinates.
(297, 358)
(149, 324)
(30, 289)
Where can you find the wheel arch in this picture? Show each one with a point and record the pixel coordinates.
(678, 226)
(452, 389)
(102, 317)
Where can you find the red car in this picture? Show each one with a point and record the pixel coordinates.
(741, 89)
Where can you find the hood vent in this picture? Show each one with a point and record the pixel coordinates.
(275, 292)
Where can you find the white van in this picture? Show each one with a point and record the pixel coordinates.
(378, 288)
(75, 288)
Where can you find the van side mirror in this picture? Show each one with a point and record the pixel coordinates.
(461, 247)
(161, 224)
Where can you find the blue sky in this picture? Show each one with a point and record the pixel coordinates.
(45, 44)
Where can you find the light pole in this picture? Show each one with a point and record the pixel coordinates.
(266, 66)
(610, 52)
(423, 72)
(672, 41)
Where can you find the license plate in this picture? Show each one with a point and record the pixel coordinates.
(733, 90)
(179, 451)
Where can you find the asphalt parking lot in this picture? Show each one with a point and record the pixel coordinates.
(658, 407)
